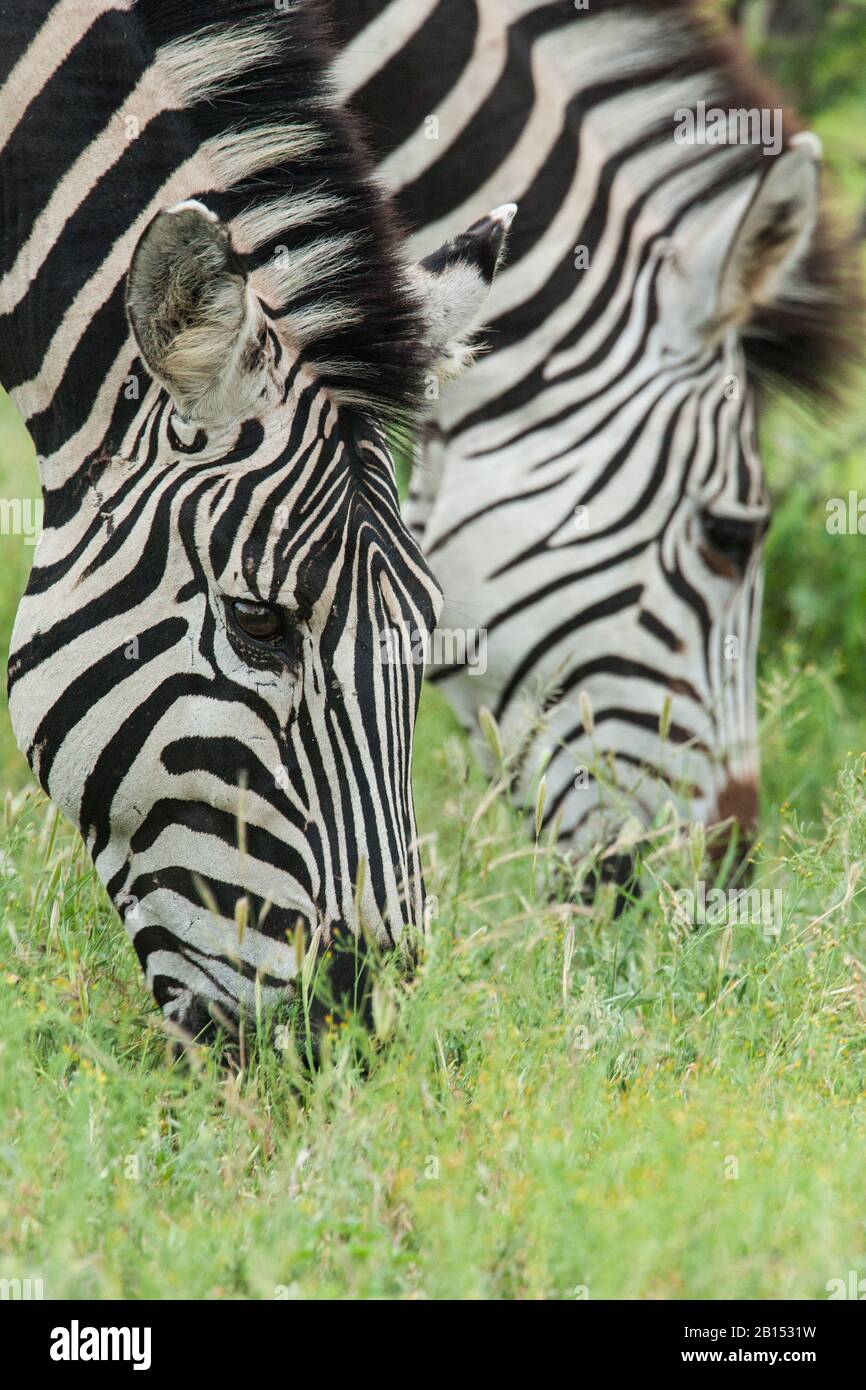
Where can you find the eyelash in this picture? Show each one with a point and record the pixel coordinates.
(283, 647)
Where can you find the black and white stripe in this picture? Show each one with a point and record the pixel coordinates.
(591, 492)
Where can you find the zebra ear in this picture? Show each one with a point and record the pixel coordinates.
(196, 322)
(453, 284)
(739, 257)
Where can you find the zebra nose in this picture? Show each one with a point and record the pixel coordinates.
(738, 803)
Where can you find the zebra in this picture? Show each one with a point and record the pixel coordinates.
(208, 324)
(590, 493)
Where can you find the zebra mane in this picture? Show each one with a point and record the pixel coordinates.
(293, 180)
(812, 336)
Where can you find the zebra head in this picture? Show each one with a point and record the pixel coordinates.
(202, 676)
(591, 496)
(625, 592)
(597, 506)
(210, 687)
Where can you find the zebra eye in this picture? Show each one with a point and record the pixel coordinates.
(731, 542)
(261, 621)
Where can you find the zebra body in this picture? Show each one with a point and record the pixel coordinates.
(590, 493)
(206, 323)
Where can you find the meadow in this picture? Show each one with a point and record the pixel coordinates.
(562, 1103)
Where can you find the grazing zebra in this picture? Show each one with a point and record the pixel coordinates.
(206, 324)
(590, 493)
